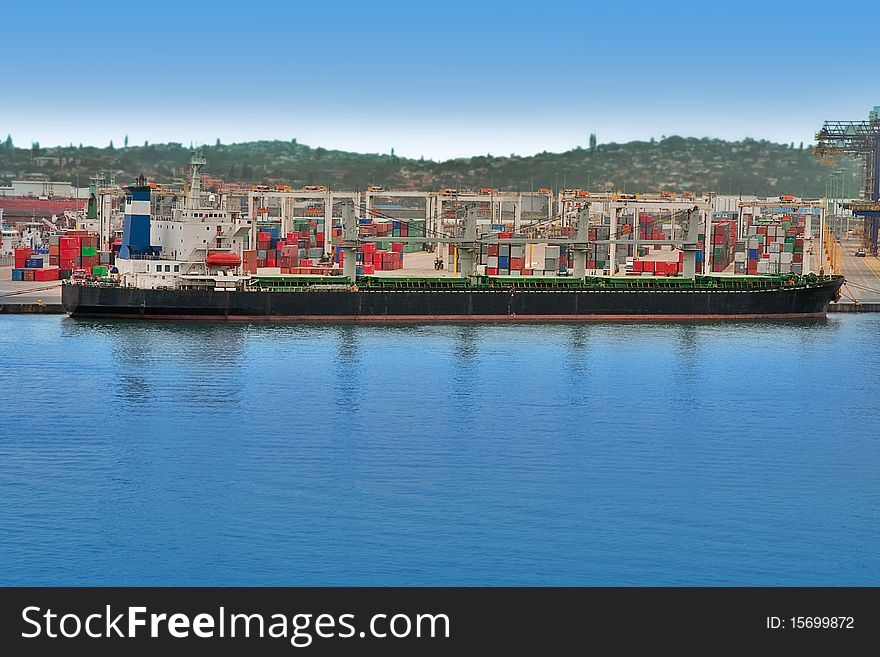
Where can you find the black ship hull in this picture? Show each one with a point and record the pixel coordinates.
(495, 304)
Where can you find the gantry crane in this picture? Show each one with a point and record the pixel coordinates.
(857, 139)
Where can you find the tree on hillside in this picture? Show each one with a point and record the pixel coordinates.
(111, 145)
(8, 142)
(125, 143)
(35, 148)
(593, 142)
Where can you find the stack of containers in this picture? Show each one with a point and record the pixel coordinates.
(249, 261)
(20, 257)
(78, 249)
(555, 258)
(773, 246)
(648, 230)
(264, 243)
(89, 254)
(657, 267)
(505, 259)
(27, 267)
(723, 244)
(600, 254)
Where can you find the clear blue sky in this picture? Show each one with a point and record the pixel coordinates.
(439, 79)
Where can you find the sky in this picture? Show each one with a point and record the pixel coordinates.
(438, 79)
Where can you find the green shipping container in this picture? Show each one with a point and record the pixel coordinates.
(90, 251)
(64, 274)
(99, 270)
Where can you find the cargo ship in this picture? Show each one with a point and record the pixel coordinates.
(187, 266)
(323, 299)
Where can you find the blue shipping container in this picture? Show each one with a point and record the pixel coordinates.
(18, 274)
(753, 254)
(34, 263)
(503, 262)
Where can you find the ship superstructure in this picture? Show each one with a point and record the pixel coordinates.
(197, 241)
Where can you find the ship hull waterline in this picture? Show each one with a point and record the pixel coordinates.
(426, 306)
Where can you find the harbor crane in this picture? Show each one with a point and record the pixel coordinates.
(857, 139)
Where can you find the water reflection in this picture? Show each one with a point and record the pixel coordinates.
(465, 376)
(200, 364)
(347, 369)
(577, 359)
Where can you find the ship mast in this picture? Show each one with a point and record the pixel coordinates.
(193, 199)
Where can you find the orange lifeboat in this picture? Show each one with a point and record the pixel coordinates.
(222, 259)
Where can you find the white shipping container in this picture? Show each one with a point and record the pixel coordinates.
(492, 261)
(268, 271)
(786, 257)
(739, 257)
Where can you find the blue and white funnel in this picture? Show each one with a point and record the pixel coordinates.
(136, 224)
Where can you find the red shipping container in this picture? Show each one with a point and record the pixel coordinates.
(29, 274)
(637, 267)
(493, 249)
(397, 246)
(369, 269)
(517, 263)
(648, 265)
(491, 271)
(504, 235)
(46, 274)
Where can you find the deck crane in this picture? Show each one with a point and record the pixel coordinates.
(857, 139)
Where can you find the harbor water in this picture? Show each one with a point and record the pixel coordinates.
(604, 454)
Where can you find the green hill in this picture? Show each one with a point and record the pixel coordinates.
(674, 164)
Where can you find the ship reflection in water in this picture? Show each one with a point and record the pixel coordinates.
(176, 453)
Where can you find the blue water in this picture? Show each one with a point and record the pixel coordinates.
(150, 453)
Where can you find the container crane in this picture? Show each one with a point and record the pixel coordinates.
(857, 139)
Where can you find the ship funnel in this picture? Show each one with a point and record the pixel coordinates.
(136, 223)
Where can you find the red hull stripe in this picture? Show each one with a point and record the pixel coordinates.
(391, 319)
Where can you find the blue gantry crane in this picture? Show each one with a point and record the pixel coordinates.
(857, 139)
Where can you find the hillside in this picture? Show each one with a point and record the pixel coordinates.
(674, 163)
